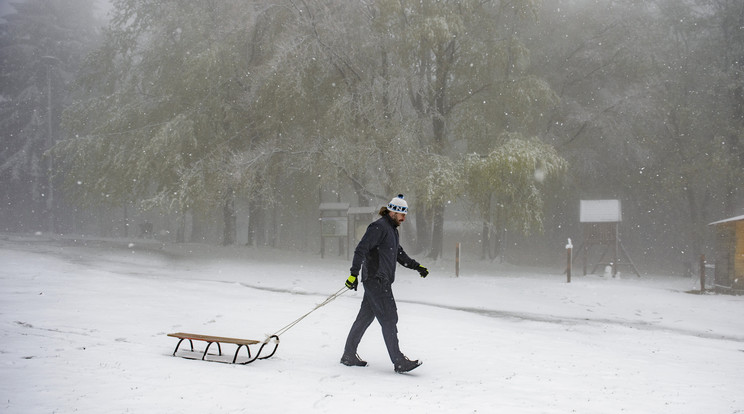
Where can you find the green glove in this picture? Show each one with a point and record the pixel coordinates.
(422, 271)
(352, 282)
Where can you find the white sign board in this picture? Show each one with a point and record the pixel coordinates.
(600, 211)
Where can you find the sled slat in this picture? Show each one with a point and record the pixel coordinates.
(209, 338)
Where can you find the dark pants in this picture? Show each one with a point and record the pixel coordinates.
(378, 302)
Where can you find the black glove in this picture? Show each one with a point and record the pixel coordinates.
(422, 271)
(352, 282)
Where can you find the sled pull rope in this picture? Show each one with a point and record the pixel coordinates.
(328, 300)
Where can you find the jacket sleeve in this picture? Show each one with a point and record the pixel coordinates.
(370, 240)
(405, 260)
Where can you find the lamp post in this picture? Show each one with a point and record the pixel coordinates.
(48, 62)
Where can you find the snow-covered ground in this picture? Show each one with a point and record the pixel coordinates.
(84, 324)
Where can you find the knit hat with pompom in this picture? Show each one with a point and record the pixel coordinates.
(398, 205)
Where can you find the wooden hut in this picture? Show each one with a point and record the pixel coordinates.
(729, 255)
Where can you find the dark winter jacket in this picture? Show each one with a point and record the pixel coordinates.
(379, 250)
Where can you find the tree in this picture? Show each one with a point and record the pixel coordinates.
(594, 57)
(695, 164)
(727, 21)
(643, 112)
(338, 96)
(165, 93)
(506, 185)
(464, 59)
(41, 47)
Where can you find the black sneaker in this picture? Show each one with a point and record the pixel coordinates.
(405, 365)
(353, 360)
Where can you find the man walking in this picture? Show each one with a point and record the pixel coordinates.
(376, 256)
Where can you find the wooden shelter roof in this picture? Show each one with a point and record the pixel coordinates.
(728, 220)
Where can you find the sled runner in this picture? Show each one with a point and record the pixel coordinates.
(223, 340)
(245, 342)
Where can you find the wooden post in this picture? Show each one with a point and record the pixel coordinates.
(702, 273)
(457, 259)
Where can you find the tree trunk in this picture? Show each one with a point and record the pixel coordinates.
(228, 214)
(198, 229)
(486, 233)
(440, 131)
(256, 225)
(437, 234)
(485, 241)
(273, 235)
(500, 243)
(423, 233)
(695, 235)
(181, 229)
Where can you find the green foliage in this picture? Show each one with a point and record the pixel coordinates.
(511, 177)
(165, 130)
(463, 62)
(188, 104)
(441, 182)
(186, 115)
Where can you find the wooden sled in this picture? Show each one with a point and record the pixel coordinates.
(223, 340)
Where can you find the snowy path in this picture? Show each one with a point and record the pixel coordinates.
(84, 327)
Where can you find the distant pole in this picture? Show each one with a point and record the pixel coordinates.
(702, 273)
(569, 253)
(457, 259)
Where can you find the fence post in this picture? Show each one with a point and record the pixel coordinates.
(569, 251)
(702, 273)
